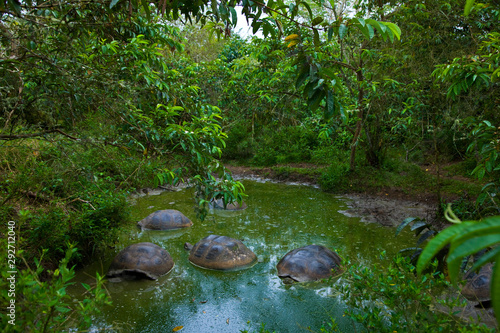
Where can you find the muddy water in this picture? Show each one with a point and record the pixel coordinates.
(279, 218)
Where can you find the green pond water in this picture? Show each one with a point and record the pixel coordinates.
(279, 218)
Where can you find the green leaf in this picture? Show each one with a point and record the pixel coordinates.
(467, 9)
(487, 226)
(418, 225)
(62, 309)
(113, 3)
(405, 223)
(14, 6)
(145, 5)
(364, 30)
(495, 76)
(234, 16)
(425, 236)
(342, 31)
(256, 26)
(316, 37)
(317, 20)
(305, 4)
(371, 33)
(485, 258)
(316, 99)
(438, 243)
(343, 115)
(473, 245)
(393, 28)
(330, 105)
(303, 75)
(330, 33)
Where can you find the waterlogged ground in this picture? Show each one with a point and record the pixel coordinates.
(279, 218)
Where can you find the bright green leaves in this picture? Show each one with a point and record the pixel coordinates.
(463, 75)
(478, 72)
(468, 6)
(200, 140)
(485, 138)
(210, 188)
(45, 295)
(394, 29)
(367, 27)
(465, 239)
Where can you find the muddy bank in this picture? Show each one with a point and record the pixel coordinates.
(389, 212)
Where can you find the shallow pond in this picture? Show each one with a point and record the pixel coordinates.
(279, 218)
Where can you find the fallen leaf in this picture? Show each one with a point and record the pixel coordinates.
(177, 328)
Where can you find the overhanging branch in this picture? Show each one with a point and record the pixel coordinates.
(34, 135)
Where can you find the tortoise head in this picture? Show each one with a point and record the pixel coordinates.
(188, 246)
(287, 279)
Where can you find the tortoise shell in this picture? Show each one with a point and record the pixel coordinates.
(477, 288)
(141, 260)
(221, 253)
(165, 220)
(219, 204)
(308, 263)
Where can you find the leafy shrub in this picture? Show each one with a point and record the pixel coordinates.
(334, 177)
(424, 231)
(465, 239)
(71, 194)
(396, 299)
(293, 144)
(463, 208)
(95, 226)
(48, 232)
(43, 305)
(91, 227)
(264, 156)
(238, 143)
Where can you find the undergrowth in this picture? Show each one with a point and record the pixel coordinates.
(394, 298)
(36, 299)
(68, 192)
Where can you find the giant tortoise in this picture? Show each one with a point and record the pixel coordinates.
(308, 263)
(220, 253)
(140, 261)
(219, 204)
(164, 220)
(477, 288)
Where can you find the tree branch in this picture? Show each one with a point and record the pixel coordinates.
(34, 135)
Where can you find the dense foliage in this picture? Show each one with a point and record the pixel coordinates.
(101, 98)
